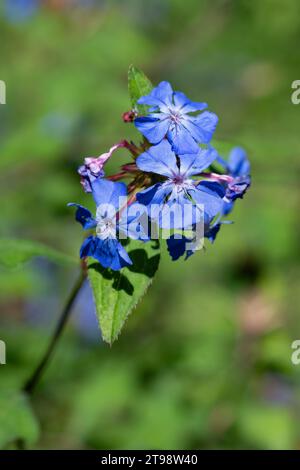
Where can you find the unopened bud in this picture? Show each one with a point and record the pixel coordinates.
(129, 116)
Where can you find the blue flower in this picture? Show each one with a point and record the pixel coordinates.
(180, 245)
(177, 247)
(105, 246)
(238, 167)
(170, 116)
(176, 194)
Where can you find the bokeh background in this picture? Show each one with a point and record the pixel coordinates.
(205, 360)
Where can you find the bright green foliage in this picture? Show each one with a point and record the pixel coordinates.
(213, 337)
(138, 85)
(116, 293)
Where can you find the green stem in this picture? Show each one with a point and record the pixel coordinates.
(35, 377)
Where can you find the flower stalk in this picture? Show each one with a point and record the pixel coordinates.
(34, 379)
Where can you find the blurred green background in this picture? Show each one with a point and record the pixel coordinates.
(205, 360)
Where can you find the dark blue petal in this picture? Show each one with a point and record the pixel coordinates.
(176, 246)
(88, 247)
(212, 187)
(153, 195)
(83, 216)
(111, 254)
(121, 259)
(212, 232)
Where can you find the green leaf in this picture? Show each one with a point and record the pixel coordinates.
(17, 421)
(116, 293)
(14, 252)
(138, 85)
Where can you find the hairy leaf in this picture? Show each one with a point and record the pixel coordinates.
(116, 293)
(138, 85)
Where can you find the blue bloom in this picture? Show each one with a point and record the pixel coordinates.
(176, 194)
(170, 116)
(178, 246)
(238, 167)
(238, 163)
(105, 246)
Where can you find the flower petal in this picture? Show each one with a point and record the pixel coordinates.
(152, 128)
(153, 198)
(88, 247)
(185, 105)
(180, 213)
(201, 127)
(191, 164)
(121, 259)
(210, 199)
(158, 159)
(108, 192)
(238, 163)
(134, 222)
(83, 216)
(160, 96)
(227, 207)
(111, 254)
(181, 140)
(176, 246)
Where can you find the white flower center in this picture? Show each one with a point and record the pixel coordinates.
(180, 185)
(175, 115)
(106, 228)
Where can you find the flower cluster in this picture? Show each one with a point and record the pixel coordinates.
(178, 186)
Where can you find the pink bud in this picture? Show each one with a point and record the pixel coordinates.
(95, 164)
(129, 116)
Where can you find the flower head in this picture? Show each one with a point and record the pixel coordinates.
(171, 189)
(238, 180)
(170, 116)
(104, 246)
(187, 244)
(176, 193)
